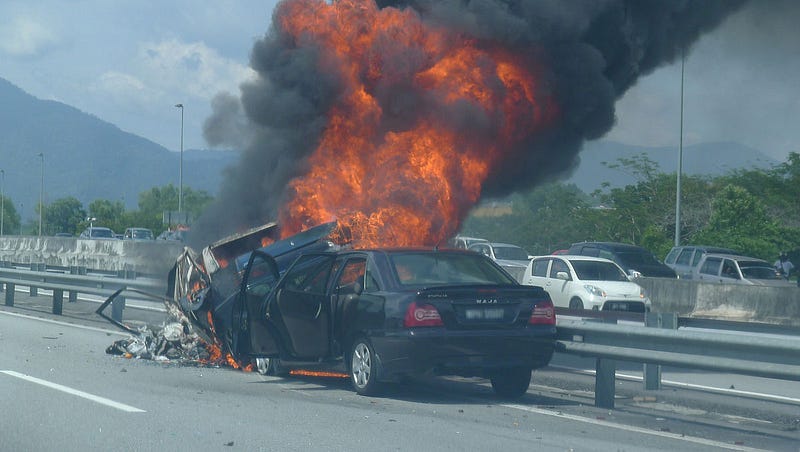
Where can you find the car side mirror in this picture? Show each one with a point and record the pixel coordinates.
(563, 276)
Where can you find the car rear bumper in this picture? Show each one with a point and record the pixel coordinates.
(440, 351)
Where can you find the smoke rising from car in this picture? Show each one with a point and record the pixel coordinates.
(588, 53)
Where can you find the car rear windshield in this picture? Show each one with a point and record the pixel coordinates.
(511, 253)
(634, 258)
(598, 271)
(102, 233)
(433, 268)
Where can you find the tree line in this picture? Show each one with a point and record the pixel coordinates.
(754, 211)
(68, 215)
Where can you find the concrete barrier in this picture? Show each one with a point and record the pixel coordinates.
(153, 258)
(779, 305)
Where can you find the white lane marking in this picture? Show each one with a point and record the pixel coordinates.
(75, 392)
(57, 322)
(630, 428)
(680, 384)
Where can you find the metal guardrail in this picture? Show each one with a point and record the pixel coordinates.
(74, 284)
(658, 343)
(746, 354)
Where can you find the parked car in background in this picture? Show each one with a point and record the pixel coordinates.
(634, 260)
(178, 235)
(736, 269)
(512, 258)
(584, 282)
(138, 234)
(98, 232)
(685, 259)
(463, 242)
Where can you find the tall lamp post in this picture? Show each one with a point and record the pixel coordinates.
(41, 195)
(2, 199)
(180, 171)
(680, 165)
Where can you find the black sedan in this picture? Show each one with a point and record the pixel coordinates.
(383, 314)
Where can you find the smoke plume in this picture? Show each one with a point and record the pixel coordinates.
(588, 53)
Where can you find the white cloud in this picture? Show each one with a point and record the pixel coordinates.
(124, 89)
(25, 37)
(189, 68)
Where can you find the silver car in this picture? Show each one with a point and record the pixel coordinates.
(733, 269)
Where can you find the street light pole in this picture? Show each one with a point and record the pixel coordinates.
(2, 199)
(41, 196)
(180, 171)
(680, 165)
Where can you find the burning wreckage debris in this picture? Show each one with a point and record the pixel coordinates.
(201, 292)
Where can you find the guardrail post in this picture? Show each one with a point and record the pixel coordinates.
(33, 290)
(2, 265)
(605, 379)
(73, 295)
(58, 301)
(652, 372)
(117, 306)
(10, 294)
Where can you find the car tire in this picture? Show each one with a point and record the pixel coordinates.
(270, 366)
(264, 366)
(576, 304)
(511, 383)
(363, 367)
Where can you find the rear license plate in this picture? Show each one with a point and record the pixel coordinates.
(485, 314)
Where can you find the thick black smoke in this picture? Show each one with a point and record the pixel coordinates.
(594, 51)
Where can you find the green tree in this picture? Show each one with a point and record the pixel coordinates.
(740, 221)
(11, 218)
(64, 215)
(108, 214)
(154, 202)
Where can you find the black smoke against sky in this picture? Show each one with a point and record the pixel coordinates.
(594, 50)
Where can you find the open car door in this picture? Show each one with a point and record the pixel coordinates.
(253, 336)
(300, 308)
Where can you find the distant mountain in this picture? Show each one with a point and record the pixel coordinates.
(712, 159)
(86, 157)
(90, 159)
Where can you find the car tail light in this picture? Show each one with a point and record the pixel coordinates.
(543, 314)
(422, 314)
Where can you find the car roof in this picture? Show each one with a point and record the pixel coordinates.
(612, 245)
(575, 257)
(503, 244)
(735, 257)
(708, 249)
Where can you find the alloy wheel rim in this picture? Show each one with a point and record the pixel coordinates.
(362, 365)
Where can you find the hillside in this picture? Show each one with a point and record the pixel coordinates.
(712, 159)
(86, 157)
(90, 159)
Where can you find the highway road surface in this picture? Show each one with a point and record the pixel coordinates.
(59, 390)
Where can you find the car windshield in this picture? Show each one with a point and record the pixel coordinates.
(758, 270)
(511, 253)
(432, 268)
(597, 271)
(102, 233)
(141, 234)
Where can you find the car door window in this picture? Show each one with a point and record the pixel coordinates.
(697, 256)
(354, 271)
(729, 269)
(685, 257)
(558, 266)
(539, 267)
(711, 266)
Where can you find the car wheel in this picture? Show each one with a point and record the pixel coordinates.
(265, 366)
(511, 383)
(576, 303)
(363, 367)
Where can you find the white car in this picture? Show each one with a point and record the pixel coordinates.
(585, 282)
(512, 258)
(735, 269)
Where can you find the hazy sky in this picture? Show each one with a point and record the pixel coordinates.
(130, 62)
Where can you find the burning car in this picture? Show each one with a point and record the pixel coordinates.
(376, 314)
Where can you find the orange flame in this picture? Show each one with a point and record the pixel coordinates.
(410, 185)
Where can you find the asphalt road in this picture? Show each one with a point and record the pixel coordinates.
(60, 390)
